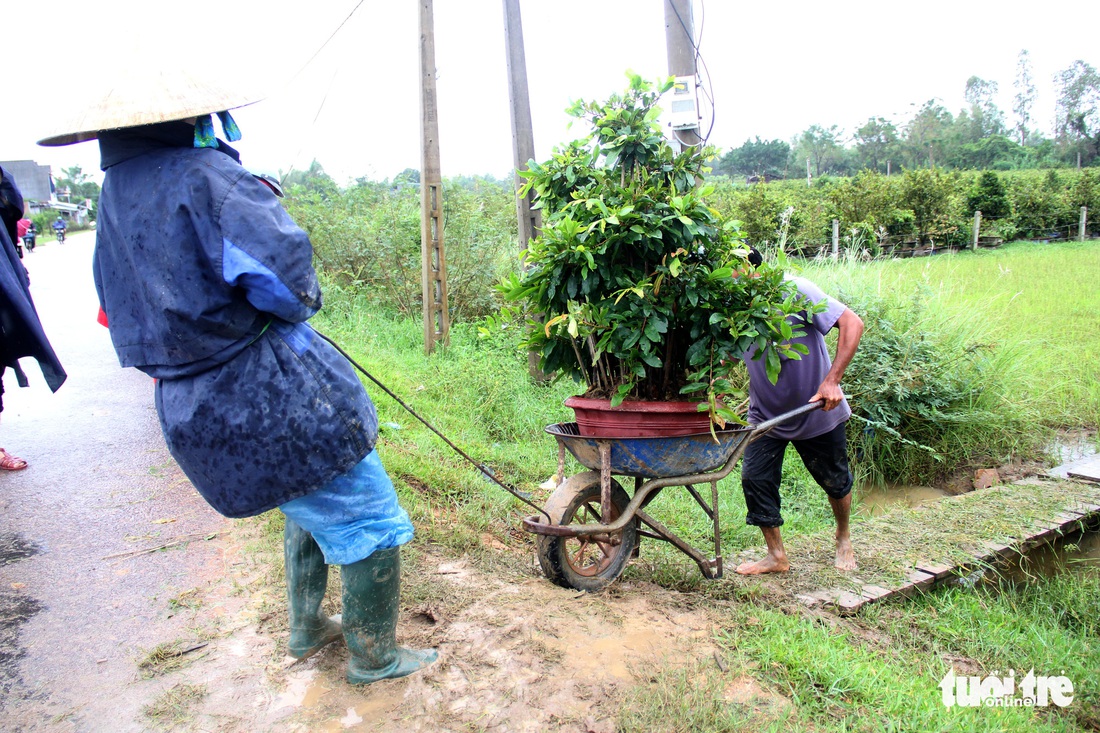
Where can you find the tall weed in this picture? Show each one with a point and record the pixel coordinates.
(369, 236)
(930, 391)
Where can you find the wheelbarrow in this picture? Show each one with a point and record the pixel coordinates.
(595, 526)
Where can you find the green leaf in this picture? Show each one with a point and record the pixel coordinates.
(772, 365)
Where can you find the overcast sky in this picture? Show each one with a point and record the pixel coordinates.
(775, 68)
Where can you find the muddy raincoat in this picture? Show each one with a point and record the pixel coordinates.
(207, 284)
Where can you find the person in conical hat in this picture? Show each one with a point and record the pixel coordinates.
(207, 285)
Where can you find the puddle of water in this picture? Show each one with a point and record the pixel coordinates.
(1072, 450)
(1076, 552)
(302, 690)
(610, 655)
(380, 704)
(875, 500)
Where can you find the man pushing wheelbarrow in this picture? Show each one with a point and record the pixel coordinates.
(592, 525)
(818, 436)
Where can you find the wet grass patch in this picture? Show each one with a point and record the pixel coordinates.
(169, 656)
(174, 707)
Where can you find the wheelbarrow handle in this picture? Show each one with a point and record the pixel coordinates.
(767, 425)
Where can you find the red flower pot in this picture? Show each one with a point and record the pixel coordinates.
(637, 418)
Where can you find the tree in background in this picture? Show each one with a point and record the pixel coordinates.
(1024, 100)
(996, 152)
(928, 135)
(985, 117)
(756, 158)
(313, 180)
(821, 146)
(876, 143)
(407, 177)
(1077, 126)
(77, 187)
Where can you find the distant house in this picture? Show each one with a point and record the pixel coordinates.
(35, 182)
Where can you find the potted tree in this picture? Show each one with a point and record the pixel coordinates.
(636, 287)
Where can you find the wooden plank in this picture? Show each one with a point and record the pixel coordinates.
(1039, 538)
(1076, 508)
(809, 601)
(997, 549)
(875, 592)
(1076, 502)
(848, 603)
(916, 581)
(1089, 471)
(936, 570)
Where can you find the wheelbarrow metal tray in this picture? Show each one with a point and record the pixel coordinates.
(652, 457)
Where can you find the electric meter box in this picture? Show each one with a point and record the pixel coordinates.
(684, 106)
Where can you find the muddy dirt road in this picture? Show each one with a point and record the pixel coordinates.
(127, 604)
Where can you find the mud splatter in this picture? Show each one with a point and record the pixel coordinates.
(14, 548)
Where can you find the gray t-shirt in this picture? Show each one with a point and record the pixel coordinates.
(798, 379)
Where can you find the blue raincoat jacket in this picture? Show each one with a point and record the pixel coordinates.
(207, 284)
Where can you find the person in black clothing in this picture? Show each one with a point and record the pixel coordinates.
(21, 332)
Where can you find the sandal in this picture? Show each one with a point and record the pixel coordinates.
(8, 462)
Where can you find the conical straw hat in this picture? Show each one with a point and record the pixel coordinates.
(147, 96)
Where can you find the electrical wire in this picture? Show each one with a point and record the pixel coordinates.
(324, 99)
(327, 40)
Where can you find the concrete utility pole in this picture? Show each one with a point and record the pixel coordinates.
(977, 230)
(433, 273)
(680, 43)
(523, 137)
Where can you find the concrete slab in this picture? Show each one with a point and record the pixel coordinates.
(1089, 471)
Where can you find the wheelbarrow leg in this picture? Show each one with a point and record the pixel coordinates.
(707, 567)
(605, 481)
(717, 530)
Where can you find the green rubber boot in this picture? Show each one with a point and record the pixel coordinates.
(306, 580)
(371, 590)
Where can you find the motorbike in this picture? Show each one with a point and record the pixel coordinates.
(29, 240)
(60, 235)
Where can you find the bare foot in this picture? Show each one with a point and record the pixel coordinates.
(769, 564)
(845, 557)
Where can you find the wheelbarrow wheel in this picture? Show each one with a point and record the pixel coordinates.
(587, 564)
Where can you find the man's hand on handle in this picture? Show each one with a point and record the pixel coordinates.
(831, 393)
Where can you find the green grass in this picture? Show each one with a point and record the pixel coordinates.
(1039, 300)
(880, 671)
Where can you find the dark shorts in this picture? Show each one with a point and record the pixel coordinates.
(825, 457)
